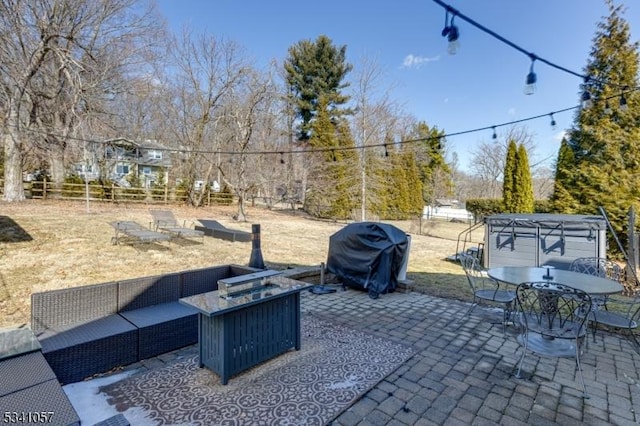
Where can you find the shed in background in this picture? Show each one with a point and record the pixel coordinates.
(542, 239)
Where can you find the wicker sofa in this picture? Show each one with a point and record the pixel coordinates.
(93, 329)
(29, 390)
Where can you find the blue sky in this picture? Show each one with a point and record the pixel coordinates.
(480, 86)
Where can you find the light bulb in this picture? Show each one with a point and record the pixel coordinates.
(530, 83)
(586, 99)
(623, 103)
(452, 36)
(530, 86)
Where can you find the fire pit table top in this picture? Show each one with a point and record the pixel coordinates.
(258, 290)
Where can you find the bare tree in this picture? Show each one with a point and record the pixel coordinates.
(375, 122)
(59, 58)
(207, 71)
(247, 107)
(488, 161)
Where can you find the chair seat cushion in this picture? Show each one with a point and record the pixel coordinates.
(23, 371)
(100, 328)
(45, 402)
(156, 314)
(164, 327)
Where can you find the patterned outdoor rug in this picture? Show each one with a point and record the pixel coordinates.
(335, 366)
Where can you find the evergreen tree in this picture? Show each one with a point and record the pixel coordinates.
(414, 184)
(378, 168)
(523, 188)
(509, 182)
(398, 188)
(432, 164)
(602, 168)
(332, 190)
(316, 69)
(403, 190)
(561, 198)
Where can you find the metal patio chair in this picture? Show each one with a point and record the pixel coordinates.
(598, 266)
(552, 318)
(618, 312)
(485, 289)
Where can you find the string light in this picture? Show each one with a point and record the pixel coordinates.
(386, 152)
(282, 158)
(553, 122)
(623, 102)
(530, 86)
(513, 45)
(585, 98)
(451, 32)
(495, 135)
(232, 154)
(607, 108)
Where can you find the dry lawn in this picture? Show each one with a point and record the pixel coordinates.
(47, 245)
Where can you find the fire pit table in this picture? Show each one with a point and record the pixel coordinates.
(248, 320)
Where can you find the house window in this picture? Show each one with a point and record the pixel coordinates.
(155, 155)
(146, 170)
(122, 169)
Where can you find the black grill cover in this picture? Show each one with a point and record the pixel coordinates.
(368, 256)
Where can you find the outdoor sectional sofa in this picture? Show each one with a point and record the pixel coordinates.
(92, 329)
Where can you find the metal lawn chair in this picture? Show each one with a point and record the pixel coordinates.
(486, 289)
(552, 317)
(617, 312)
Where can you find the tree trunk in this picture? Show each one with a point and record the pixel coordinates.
(56, 162)
(242, 216)
(13, 188)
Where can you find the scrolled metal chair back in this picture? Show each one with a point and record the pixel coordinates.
(471, 269)
(599, 267)
(552, 309)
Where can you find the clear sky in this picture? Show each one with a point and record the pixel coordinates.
(482, 85)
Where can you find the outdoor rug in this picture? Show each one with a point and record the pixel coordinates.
(335, 366)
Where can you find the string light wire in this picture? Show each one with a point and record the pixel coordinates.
(449, 9)
(333, 150)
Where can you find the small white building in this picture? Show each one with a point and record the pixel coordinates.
(446, 209)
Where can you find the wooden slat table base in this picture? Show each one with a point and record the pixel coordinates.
(240, 339)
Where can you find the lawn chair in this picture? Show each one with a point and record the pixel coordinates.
(552, 320)
(164, 221)
(485, 289)
(215, 229)
(133, 232)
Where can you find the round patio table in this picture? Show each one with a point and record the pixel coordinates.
(590, 284)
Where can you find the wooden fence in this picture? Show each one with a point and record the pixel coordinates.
(112, 193)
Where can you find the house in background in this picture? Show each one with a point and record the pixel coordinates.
(121, 159)
(447, 209)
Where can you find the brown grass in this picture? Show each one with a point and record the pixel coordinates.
(47, 245)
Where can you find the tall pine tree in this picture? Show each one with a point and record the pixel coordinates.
(598, 165)
(316, 69)
(435, 173)
(509, 181)
(523, 183)
(332, 193)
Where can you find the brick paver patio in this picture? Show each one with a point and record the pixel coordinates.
(463, 371)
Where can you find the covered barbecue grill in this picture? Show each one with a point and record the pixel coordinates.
(368, 256)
